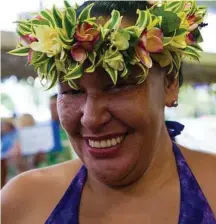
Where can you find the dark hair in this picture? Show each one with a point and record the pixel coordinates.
(54, 97)
(126, 8)
(104, 8)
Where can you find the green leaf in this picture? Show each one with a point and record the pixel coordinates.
(91, 57)
(176, 58)
(143, 75)
(191, 52)
(125, 72)
(71, 14)
(133, 30)
(67, 44)
(41, 22)
(114, 22)
(178, 32)
(38, 60)
(24, 26)
(197, 47)
(170, 22)
(19, 33)
(74, 73)
(22, 51)
(67, 25)
(54, 79)
(85, 14)
(25, 29)
(57, 17)
(112, 73)
(72, 84)
(143, 19)
(48, 16)
(174, 6)
(197, 36)
(67, 5)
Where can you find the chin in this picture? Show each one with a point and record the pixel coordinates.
(115, 166)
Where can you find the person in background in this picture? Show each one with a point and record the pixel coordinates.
(57, 155)
(21, 162)
(7, 139)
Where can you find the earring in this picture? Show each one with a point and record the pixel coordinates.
(175, 103)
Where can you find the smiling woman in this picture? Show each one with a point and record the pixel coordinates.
(116, 74)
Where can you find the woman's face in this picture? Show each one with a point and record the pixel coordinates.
(113, 129)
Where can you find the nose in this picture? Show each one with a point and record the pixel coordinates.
(95, 113)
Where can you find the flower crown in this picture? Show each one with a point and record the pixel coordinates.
(58, 42)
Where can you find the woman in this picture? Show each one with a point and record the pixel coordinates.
(129, 170)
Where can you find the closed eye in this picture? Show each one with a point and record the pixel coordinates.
(72, 92)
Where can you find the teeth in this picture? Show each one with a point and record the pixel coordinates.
(105, 143)
(114, 141)
(109, 143)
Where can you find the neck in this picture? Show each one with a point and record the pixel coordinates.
(161, 170)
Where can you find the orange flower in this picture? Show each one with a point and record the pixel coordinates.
(192, 22)
(86, 36)
(150, 42)
(87, 33)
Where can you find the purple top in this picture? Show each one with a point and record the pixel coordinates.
(194, 207)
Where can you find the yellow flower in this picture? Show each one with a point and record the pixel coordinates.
(48, 41)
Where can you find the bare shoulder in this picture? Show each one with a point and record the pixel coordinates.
(203, 166)
(40, 187)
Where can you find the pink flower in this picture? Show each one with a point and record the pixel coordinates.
(39, 17)
(28, 38)
(29, 58)
(78, 53)
(150, 42)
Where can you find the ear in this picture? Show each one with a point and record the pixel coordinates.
(171, 89)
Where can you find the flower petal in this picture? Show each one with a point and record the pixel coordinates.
(154, 44)
(94, 32)
(143, 40)
(87, 45)
(78, 53)
(144, 56)
(155, 32)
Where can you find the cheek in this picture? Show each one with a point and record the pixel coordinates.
(69, 112)
(132, 108)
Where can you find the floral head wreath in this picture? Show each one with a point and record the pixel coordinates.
(58, 42)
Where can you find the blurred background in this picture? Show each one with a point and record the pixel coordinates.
(27, 107)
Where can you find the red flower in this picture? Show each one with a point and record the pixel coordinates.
(190, 39)
(191, 19)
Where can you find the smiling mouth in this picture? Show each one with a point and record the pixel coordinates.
(106, 142)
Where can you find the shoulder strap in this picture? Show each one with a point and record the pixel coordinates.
(67, 210)
(194, 206)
